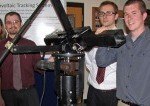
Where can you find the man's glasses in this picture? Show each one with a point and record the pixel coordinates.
(16, 22)
(108, 13)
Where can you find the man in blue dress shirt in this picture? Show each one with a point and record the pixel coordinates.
(133, 58)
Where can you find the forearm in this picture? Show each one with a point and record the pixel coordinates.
(105, 56)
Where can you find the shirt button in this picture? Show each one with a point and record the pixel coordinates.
(131, 55)
(130, 66)
(126, 86)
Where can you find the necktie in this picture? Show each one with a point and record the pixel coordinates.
(17, 72)
(100, 75)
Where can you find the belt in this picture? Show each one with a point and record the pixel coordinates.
(129, 103)
(23, 88)
(109, 90)
(26, 88)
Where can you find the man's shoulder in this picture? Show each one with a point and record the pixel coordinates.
(3, 41)
(147, 30)
(27, 41)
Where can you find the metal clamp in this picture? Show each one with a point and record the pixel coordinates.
(9, 45)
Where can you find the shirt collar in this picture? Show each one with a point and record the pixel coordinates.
(9, 38)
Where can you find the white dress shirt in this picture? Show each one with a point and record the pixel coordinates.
(110, 72)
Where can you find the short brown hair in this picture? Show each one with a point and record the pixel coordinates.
(13, 13)
(141, 4)
(109, 3)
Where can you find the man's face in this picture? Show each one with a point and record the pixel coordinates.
(12, 25)
(109, 16)
(134, 19)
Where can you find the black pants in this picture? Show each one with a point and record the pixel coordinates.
(98, 97)
(24, 97)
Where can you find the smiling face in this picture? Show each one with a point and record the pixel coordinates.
(134, 19)
(109, 16)
(12, 25)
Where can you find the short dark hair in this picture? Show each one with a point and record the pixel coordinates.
(109, 3)
(141, 4)
(13, 13)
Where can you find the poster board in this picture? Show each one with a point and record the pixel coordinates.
(44, 24)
